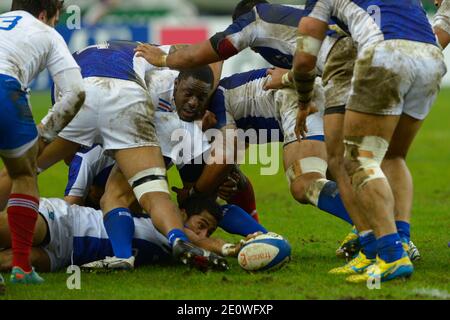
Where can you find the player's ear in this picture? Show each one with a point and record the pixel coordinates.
(43, 16)
(183, 215)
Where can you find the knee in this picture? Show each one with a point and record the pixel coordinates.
(306, 189)
(299, 190)
(112, 200)
(335, 165)
(363, 157)
(303, 175)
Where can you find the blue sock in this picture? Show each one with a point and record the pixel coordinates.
(369, 244)
(119, 225)
(175, 234)
(237, 221)
(330, 201)
(390, 247)
(403, 229)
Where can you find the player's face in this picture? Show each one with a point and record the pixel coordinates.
(191, 96)
(438, 3)
(202, 224)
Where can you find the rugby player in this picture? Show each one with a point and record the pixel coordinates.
(75, 235)
(28, 44)
(396, 80)
(118, 113)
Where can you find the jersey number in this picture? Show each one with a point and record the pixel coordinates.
(8, 23)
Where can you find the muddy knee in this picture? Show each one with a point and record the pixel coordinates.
(362, 159)
(306, 177)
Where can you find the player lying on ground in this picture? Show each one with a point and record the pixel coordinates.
(90, 168)
(393, 56)
(74, 235)
(28, 44)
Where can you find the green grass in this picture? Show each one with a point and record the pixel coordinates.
(314, 237)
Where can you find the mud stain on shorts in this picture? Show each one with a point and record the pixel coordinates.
(376, 90)
(338, 72)
(139, 120)
(104, 83)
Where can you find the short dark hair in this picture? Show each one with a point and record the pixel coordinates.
(196, 204)
(202, 73)
(245, 6)
(35, 7)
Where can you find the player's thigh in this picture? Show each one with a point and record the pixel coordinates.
(134, 160)
(358, 124)
(118, 193)
(25, 165)
(296, 151)
(406, 131)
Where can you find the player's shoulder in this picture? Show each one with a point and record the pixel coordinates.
(239, 79)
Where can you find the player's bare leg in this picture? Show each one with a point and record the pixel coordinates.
(22, 210)
(399, 177)
(334, 137)
(305, 163)
(144, 170)
(165, 214)
(49, 154)
(363, 236)
(374, 193)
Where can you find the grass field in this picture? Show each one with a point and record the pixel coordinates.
(314, 236)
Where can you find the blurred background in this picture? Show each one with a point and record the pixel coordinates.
(156, 21)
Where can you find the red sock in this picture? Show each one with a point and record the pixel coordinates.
(22, 215)
(246, 200)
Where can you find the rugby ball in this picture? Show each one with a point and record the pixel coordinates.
(264, 252)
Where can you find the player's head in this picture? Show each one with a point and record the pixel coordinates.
(201, 215)
(437, 3)
(245, 6)
(191, 92)
(45, 10)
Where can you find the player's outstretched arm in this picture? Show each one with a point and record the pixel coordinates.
(189, 57)
(71, 90)
(441, 22)
(311, 34)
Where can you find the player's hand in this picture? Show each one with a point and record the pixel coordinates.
(228, 189)
(182, 194)
(304, 110)
(232, 250)
(209, 120)
(275, 81)
(152, 54)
